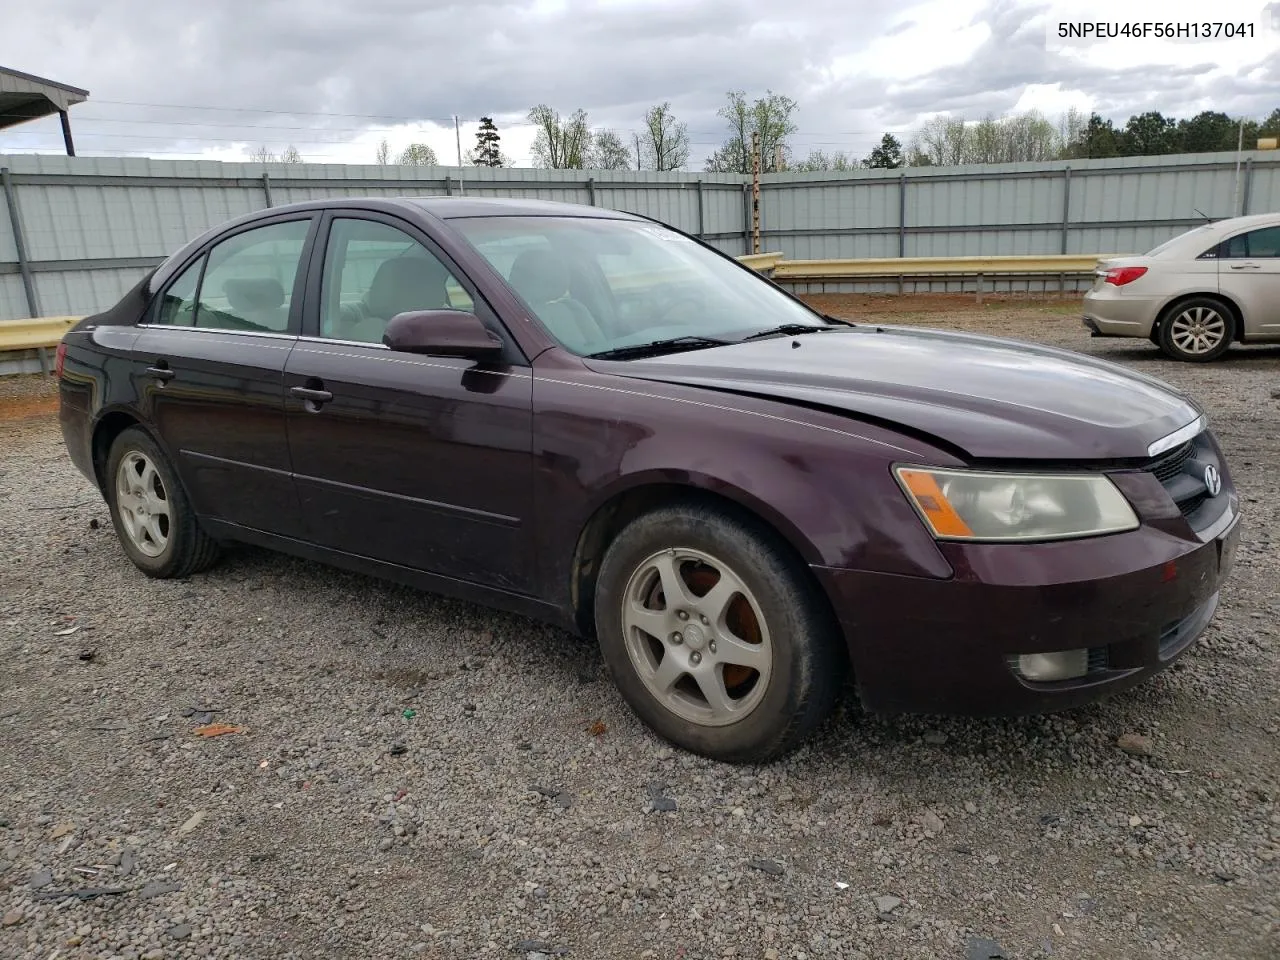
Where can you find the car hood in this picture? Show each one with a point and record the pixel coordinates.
(990, 397)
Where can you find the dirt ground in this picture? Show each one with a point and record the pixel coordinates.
(413, 776)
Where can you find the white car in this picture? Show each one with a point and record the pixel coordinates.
(1196, 294)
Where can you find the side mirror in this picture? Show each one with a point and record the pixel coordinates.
(442, 333)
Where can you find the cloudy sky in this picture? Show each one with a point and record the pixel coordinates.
(218, 78)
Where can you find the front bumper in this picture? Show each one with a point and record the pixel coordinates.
(1137, 601)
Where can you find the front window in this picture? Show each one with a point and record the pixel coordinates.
(374, 271)
(599, 285)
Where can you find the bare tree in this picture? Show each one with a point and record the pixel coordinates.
(608, 152)
(560, 144)
(262, 155)
(820, 160)
(418, 155)
(664, 143)
(291, 155)
(383, 156)
(948, 141)
(771, 117)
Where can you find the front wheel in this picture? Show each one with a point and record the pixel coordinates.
(1197, 330)
(153, 520)
(714, 635)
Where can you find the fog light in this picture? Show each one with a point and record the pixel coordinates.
(1045, 667)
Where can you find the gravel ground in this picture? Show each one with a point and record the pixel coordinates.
(412, 776)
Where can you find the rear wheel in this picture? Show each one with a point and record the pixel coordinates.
(1197, 330)
(153, 520)
(714, 637)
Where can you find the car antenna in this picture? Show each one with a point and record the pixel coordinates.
(1207, 218)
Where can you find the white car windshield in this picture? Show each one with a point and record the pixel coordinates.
(600, 285)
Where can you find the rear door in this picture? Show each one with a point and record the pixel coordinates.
(421, 461)
(1249, 273)
(213, 352)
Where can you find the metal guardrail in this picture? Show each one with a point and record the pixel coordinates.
(764, 262)
(934, 266)
(36, 334)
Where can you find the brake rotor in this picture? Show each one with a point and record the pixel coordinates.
(739, 618)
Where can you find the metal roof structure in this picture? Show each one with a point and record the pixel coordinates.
(25, 97)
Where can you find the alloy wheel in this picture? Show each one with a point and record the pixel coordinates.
(697, 637)
(1197, 330)
(143, 504)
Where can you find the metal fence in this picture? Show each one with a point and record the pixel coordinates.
(79, 231)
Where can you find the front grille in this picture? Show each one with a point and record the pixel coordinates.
(1170, 465)
(1099, 659)
(1190, 505)
(1181, 473)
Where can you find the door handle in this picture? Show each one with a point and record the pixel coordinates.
(161, 373)
(1244, 266)
(312, 394)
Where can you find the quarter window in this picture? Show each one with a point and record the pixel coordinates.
(374, 271)
(178, 305)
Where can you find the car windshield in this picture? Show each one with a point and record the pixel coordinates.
(602, 285)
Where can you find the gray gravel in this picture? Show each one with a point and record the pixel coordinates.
(362, 810)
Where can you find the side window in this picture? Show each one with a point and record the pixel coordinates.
(1263, 244)
(373, 271)
(248, 283)
(178, 305)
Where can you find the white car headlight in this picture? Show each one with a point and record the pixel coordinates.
(973, 505)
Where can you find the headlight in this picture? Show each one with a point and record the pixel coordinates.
(969, 505)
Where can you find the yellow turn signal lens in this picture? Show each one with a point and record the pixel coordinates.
(937, 510)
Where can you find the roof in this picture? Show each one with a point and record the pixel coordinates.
(452, 208)
(25, 97)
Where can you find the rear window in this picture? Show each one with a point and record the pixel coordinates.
(1156, 251)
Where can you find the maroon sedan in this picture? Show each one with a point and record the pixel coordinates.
(590, 418)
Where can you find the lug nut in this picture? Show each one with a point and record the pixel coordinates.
(704, 619)
(677, 637)
(695, 658)
(683, 615)
(712, 646)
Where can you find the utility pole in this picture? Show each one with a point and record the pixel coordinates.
(777, 158)
(1235, 204)
(755, 191)
(457, 137)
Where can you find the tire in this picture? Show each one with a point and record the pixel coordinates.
(1197, 330)
(150, 512)
(769, 695)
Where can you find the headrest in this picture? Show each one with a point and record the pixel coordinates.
(539, 276)
(407, 283)
(254, 293)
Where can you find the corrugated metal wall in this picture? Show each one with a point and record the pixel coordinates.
(92, 225)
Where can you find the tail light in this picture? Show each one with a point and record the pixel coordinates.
(59, 360)
(1122, 275)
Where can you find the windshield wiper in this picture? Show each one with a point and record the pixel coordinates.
(786, 329)
(658, 346)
